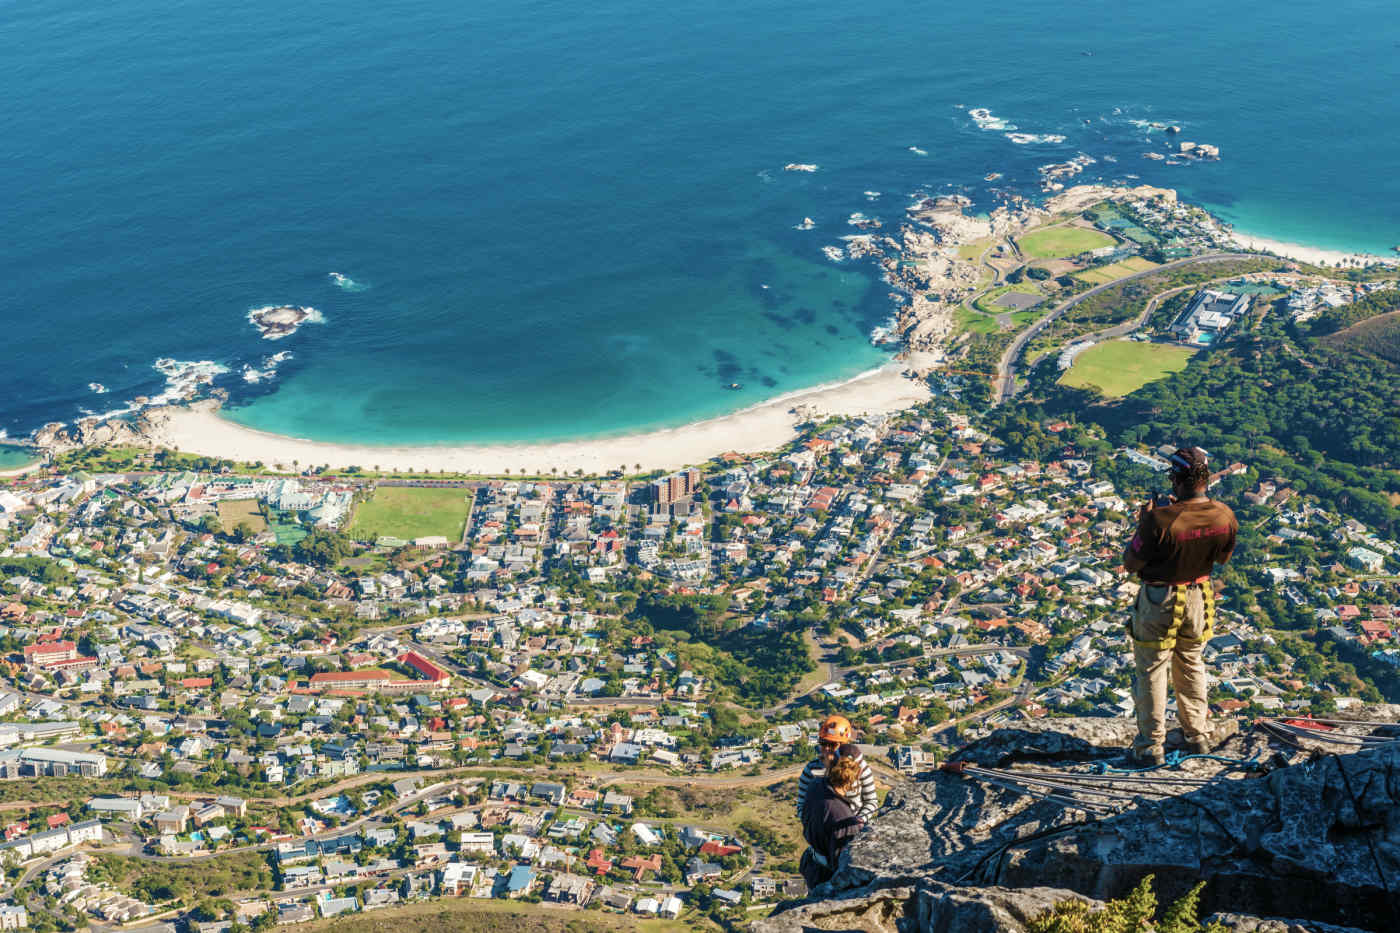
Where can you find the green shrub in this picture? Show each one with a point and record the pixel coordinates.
(1131, 914)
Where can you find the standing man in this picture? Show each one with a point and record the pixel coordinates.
(833, 744)
(1179, 540)
(829, 821)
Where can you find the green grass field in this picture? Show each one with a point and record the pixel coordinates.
(1053, 242)
(977, 323)
(233, 511)
(411, 512)
(1115, 270)
(1026, 318)
(1119, 367)
(974, 249)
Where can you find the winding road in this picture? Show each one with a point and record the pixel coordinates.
(1005, 385)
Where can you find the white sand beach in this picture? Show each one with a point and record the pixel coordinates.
(199, 429)
(1311, 254)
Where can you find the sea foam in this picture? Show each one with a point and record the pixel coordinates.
(987, 120)
(1022, 139)
(345, 283)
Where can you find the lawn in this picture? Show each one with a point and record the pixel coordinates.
(234, 511)
(1054, 242)
(1115, 270)
(1118, 367)
(966, 319)
(412, 512)
(1026, 318)
(976, 248)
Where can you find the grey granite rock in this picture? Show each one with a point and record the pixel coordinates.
(1317, 839)
(1242, 923)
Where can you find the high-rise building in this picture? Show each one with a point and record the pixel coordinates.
(674, 488)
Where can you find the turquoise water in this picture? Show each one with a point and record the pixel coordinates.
(557, 220)
(12, 458)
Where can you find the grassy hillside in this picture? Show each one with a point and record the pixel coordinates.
(1379, 335)
(490, 916)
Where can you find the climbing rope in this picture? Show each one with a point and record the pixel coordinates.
(1174, 759)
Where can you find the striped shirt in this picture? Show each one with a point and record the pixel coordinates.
(862, 798)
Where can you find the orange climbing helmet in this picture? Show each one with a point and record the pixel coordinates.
(835, 730)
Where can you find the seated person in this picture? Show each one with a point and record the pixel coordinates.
(829, 820)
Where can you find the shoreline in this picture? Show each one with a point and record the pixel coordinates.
(199, 429)
(1315, 255)
(923, 263)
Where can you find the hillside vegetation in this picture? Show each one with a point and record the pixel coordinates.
(1337, 319)
(1379, 335)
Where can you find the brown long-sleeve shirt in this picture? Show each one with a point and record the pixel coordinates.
(1183, 541)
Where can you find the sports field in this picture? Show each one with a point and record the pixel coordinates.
(411, 512)
(1118, 367)
(234, 511)
(1115, 270)
(1052, 242)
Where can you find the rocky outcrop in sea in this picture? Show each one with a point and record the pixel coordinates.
(1312, 844)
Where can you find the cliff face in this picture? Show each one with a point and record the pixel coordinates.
(1316, 839)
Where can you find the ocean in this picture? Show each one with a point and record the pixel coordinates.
(562, 220)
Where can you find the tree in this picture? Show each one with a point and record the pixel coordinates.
(323, 548)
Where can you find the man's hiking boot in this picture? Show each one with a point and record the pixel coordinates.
(1146, 758)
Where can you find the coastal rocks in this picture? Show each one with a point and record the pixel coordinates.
(1051, 174)
(277, 321)
(948, 217)
(1317, 839)
(1073, 200)
(89, 432)
(862, 247)
(1202, 151)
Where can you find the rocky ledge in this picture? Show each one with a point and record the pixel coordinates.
(1311, 844)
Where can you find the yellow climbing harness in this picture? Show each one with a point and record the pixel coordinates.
(1168, 641)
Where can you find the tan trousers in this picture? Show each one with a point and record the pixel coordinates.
(1170, 627)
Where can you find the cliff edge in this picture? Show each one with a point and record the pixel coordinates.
(1279, 825)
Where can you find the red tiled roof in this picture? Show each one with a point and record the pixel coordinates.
(422, 665)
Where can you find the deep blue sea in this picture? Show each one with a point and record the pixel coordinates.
(571, 219)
